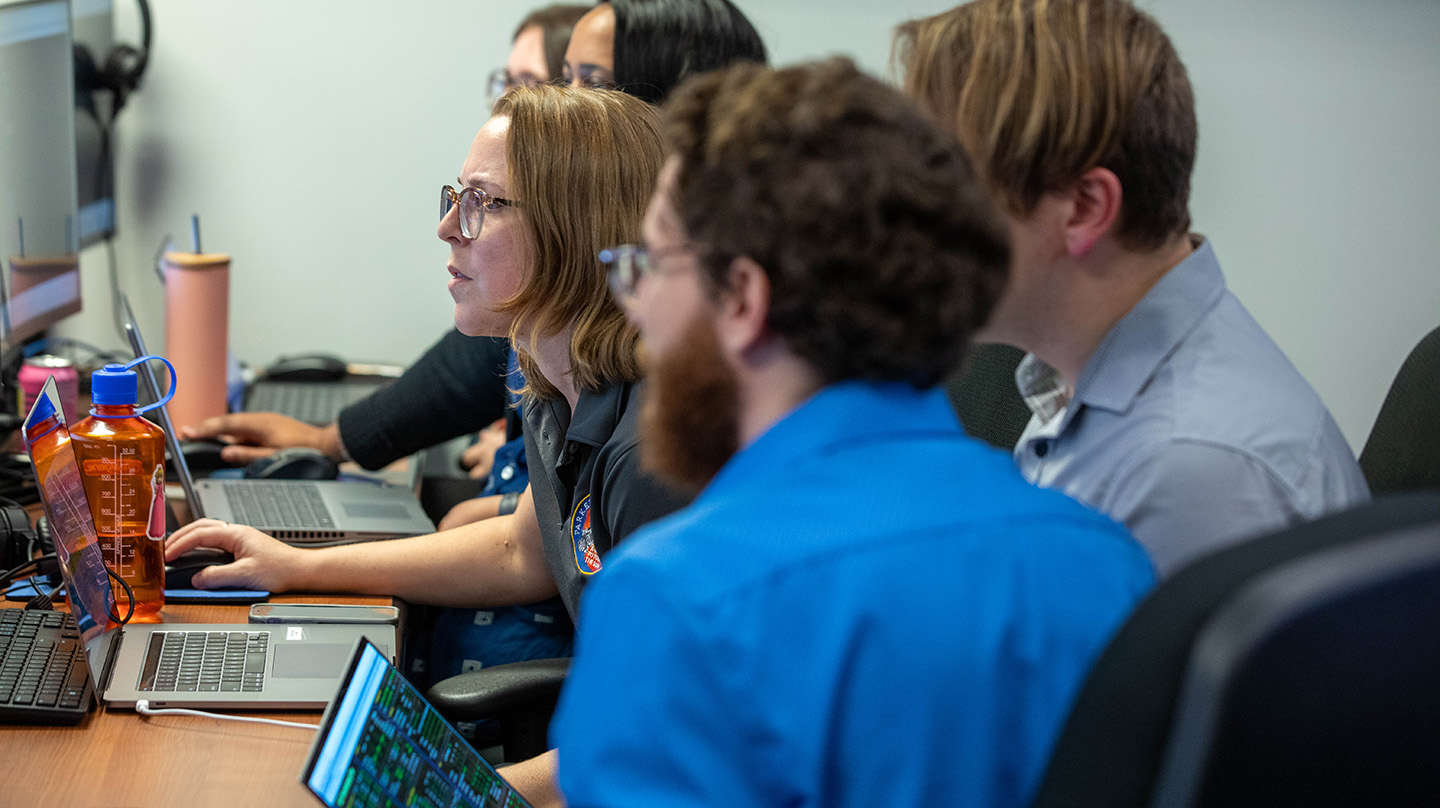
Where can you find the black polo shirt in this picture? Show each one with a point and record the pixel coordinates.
(585, 477)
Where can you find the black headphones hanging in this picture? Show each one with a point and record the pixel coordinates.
(119, 74)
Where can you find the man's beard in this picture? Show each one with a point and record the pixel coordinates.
(690, 423)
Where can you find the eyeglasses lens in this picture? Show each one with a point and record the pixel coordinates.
(471, 213)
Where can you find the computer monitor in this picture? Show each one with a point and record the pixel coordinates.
(39, 237)
(93, 26)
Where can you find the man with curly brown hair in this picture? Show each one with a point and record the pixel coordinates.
(862, 603)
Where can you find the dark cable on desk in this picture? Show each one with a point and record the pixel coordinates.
(49, 565)
(46, 564)
(27, 568)
(129, 594)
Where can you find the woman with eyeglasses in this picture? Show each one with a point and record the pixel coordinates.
(642, 47)
(422, 408)
(556, 175)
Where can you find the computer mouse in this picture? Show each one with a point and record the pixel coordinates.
(179, 572)
(294, 464)
(202, 456)
(307, 368)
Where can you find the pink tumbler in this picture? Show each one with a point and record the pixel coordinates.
(197, 302)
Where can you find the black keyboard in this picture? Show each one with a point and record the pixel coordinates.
(43, 675)
(277, 504)
(205, 661)
(317, 403)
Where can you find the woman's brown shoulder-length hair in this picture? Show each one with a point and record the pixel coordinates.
(582, 164)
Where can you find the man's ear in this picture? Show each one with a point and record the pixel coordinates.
(1094, 209)
(744, 307)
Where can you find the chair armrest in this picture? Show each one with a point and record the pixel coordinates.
(492, 692)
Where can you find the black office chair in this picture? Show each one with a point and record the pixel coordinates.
(1318, 684)
(1403, 450)
(1110, 750)
(985, 397)
(521, 696)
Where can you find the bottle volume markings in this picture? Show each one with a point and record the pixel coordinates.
(119, 476)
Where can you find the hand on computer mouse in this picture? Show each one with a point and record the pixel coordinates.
(261, 561)
(179, 572)
(294, 464)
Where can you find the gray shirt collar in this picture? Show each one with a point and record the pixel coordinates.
(1135, 348)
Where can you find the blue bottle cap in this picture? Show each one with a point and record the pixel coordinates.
(43, 409)
(113, 385)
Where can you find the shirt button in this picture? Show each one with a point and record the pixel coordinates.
(507, 472)
(1041, 447)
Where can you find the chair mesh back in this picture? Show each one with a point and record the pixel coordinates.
(984, 395)
(1318, 685)
(1403, 450)
(1110, 750)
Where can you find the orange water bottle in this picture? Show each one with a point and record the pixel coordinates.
(122, 466)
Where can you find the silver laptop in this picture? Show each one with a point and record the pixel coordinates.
(178, 664)
(301, 512)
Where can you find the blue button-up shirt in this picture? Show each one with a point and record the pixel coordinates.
(864, 606)
(1188, 424)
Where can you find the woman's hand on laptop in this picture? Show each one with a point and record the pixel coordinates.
(254, 435)
(261, 562)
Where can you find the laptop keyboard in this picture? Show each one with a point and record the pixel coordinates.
(205, 661)
(43, 672)
(277, 505)
(317, 403)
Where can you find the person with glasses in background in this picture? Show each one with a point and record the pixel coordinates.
(553, 177)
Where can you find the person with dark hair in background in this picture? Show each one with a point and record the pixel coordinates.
(817, 255)
(647, 47)
(1156, 397)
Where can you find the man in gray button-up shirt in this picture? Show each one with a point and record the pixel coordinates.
(1157, 398)
(1187, 424)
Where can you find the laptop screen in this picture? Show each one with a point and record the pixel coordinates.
(381, 743)
(57, 478)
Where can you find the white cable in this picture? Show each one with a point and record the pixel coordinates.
(143, 707)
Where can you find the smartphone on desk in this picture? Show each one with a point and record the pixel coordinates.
(323, 613)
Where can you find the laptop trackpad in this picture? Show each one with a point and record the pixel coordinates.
(372, 510)
(319, 660)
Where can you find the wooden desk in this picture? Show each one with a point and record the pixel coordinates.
(120, 758)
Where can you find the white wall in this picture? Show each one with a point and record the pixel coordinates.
(312, 138)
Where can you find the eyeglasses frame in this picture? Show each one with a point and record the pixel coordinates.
(450, 198)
